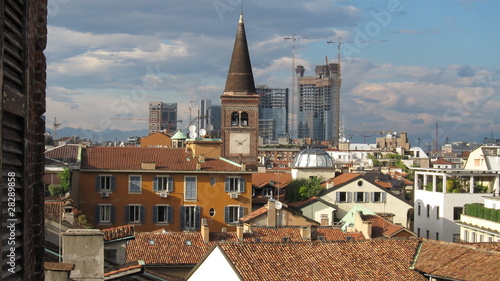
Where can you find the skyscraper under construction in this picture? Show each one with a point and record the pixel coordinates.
(319, 103)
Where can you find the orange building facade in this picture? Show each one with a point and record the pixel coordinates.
(154, 188)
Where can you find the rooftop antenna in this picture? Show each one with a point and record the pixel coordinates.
(56, 125)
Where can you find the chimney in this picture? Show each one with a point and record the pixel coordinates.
(85, 249)
(271, 213)
(239, 232)
(305, 232)
(223, 230)
(201, 158)
(247, 228)
(314, 232)
(243, 167)
(57, 271)
(324, 220)
(367, 229)
(198, 166)
(205, 231)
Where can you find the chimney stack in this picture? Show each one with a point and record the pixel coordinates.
(324, 220)
(85, 249)
(271, 213)
(305, 232)
(239, 232)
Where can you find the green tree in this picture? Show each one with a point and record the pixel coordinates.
(64, 186)
(311, 188)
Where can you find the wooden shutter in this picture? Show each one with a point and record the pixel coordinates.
(170, 214)
(155, 184)
(113, 183)
(197, 218)
(170, 184)
(242, 184)
(183, 217)
(127, 214)
(97, 183)
(155, 214)
(226, 185)
(97, 214)
(143, 213)
(112, 215)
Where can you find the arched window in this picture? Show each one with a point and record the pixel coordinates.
(235, 119)
(244, 119)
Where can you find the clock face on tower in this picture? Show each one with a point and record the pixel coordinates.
(239, 143)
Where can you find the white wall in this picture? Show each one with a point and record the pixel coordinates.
(214, 267)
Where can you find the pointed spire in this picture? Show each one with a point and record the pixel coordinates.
(240, 77)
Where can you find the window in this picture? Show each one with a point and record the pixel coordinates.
(105, 214)
(419, 209)
(190, 218)
(378, 197)
(135, 214)
(105, 183)
(427, 234)
(418, 232)
(428, 210)
(360, 183)
(190, 188)
(437, 235)
(235, 184)
(235, 119)
(466, 236)
(437, 213)
(244, 119)
(233, 214)
(343, 196)
(110, 255)
(162, 214)
(134, 184)
(267, 192)
(457, 211)
(163, 183)
(211, 212)
(360, 196)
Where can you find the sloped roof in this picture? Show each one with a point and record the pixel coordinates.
(280, 179)
(131, 158)
(263, 210)
(457, 261)
(67, 153)
(360, 260)
(118, 232)
(382, 227)
(171, 248)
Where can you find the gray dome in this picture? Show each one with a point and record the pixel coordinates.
(312, 158)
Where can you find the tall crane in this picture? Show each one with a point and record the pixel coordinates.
(56, 125)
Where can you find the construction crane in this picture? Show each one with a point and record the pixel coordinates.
(56, 125)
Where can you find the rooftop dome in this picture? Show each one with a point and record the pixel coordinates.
(312, 158)
(179, 135)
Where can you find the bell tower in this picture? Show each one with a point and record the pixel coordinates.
(240, 106)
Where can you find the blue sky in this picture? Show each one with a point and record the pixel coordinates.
(426, 62)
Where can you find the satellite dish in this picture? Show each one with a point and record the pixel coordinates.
(192, 128)
(278, 205)
(210, 127)
(192, 135)
(203, 132)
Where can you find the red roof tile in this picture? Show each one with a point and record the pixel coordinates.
(381, 227)
(131, 158)
(67, 153)
(280, 179)
(363, 260)
(118, 232)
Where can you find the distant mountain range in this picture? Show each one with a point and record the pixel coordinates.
(107, 135)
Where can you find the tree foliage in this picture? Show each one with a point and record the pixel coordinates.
(64, 186)
(302, 189)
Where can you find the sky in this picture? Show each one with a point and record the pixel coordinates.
(406, 65)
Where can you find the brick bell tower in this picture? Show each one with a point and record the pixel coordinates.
(240, 106)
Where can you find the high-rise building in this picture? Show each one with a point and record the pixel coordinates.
(162, 116)
(23, 37)
(273, 112)
(319, 103)
(240, 106)
(205, 114)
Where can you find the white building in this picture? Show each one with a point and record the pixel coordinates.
(440, 194)
(477, 229)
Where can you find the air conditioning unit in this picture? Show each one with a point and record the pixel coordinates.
(163, 194)
(104, 194)
(233, 195)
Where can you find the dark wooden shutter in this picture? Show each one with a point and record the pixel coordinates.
(97, 183)
(155, 184)
(97, 214)
(170, 184)
(183, 217)
(155, 214)
(113, 183)
(197, 218)
(113, 212)
(242, 184)
(170, 214)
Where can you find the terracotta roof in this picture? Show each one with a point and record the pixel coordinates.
(123, 268)
(254, 214)
(151, 247)
(442, 161)
(361, 260)
(280, 179)
(381, 227)
(131, 158)
(491, 246)
(119, 232)
(67, 153)
(457, 261)
(53, 209)
(343, 178)
(384, 184)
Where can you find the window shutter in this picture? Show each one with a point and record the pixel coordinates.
(170, 184)
(155, 184)
(112, 215)
(337, 195)
(242, 212)
(226, 214)
(127, 214)
(170, 213)
(143, 214)
(242, 184)
(113, 183)
(97, 214)
(355, 196)
(197, 218)
(367, 197)
(349, 196)
(183, 217)
(372, 197)
(97, 183)
(383, 196)
(155, 214)
(226, 185)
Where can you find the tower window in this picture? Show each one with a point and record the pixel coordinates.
(235, 119)
(244, 119)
